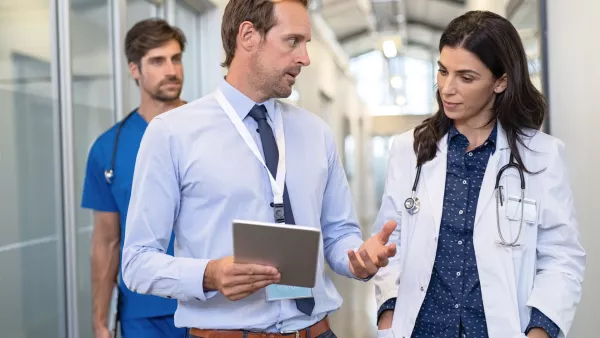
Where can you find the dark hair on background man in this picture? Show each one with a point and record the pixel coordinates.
(258, 12)
(149, 34)
(496, 42)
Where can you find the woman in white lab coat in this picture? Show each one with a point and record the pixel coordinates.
(475, 260)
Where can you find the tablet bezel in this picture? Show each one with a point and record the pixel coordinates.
(293, 249)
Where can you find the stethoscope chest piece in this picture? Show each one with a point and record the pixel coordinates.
(412, 205)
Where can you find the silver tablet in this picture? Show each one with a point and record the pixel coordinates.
(292, 249)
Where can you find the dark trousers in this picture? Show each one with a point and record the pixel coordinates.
(328, 334)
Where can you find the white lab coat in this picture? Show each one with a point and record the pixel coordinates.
(513, 280)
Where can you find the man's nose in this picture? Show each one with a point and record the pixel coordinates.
(303, 58)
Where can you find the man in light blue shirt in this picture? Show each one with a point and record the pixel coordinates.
(195, 173)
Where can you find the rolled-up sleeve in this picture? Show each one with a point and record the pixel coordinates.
(560, 256)
(340, 228)
(153, 210)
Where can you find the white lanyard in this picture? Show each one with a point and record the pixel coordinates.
(277, 183)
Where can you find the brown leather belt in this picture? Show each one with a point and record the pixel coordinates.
(313, 332)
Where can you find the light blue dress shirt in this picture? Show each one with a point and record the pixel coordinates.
(195, 174)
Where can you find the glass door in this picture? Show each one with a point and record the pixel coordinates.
(32, 293)
(92, 84)
(188, 19)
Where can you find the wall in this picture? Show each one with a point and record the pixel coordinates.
(574, 118)
(210, 40)
(496, 6)
(393, 125)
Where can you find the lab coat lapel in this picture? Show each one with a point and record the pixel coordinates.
(489, 178)
(434, 173)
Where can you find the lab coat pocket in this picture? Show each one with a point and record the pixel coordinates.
(388, 333)
(514, 206)
(516, 210)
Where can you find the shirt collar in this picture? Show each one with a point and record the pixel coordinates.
(453, 132)
(243, 104)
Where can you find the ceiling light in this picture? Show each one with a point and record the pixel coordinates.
(396, 82)
(389, 49)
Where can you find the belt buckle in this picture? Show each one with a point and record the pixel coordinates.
(296, 332)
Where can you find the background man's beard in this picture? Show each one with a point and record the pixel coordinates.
(162, 96)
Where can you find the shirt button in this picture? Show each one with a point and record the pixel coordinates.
(460, 212)
(422, 288)
(458, 274)
(456, 306)
(459, 242)
(470, 154)
(465, 182)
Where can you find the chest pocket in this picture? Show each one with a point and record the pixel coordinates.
(517, 210)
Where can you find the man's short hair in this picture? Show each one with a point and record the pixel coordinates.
(149, 34)
(258, 12)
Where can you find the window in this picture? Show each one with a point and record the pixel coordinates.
(188, 20)
(31, 297)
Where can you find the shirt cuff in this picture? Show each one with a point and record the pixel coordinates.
(340, 261)
(389, 304)
(539, 320)
(192, 278)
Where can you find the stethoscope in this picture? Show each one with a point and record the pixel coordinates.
(109, 174)
(412, 204)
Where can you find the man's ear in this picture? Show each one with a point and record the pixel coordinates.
(501, 84)
(248, 37)
(135, 71)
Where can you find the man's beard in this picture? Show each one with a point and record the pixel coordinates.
(163, 95)
(268, 81)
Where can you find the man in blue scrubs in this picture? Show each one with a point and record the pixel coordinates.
(154, 53)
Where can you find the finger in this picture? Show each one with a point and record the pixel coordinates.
(249, 279)
(356, 264)
(386, 232)
(368, 262)
(382, 259)
(244, 290)
(240, 296)
(391, 250)
(253, 269)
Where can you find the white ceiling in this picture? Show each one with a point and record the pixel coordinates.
(360, 28)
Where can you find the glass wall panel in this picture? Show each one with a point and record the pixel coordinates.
(32, 301)
(137, 10)
(188, 19)
(526, 19)
(93, 113)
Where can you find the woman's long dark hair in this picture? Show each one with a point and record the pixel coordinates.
(496, 42)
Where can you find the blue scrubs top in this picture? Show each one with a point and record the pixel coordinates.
(101, 196)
